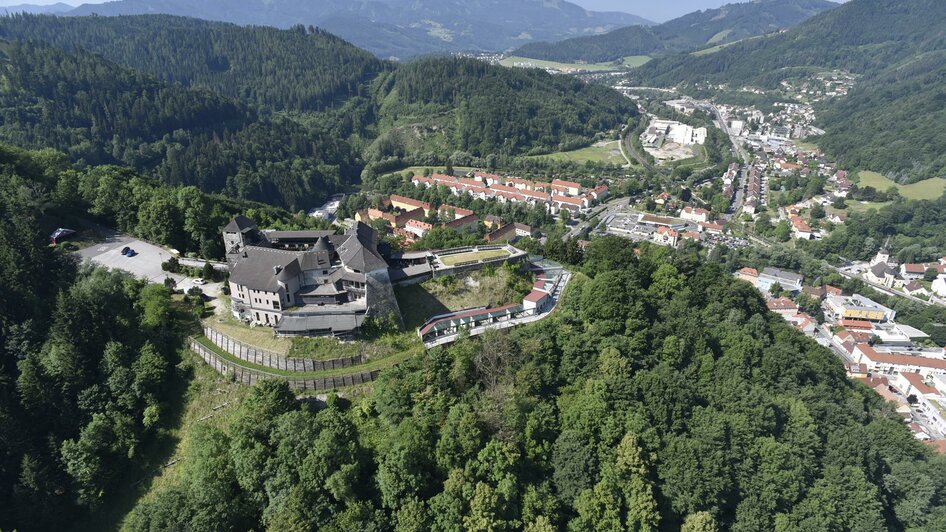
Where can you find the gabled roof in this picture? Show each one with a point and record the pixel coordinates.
(239, 224)
(360, 251)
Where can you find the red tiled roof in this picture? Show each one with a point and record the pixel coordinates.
(782, 303)
(410, 201)
(902, 360)
(919, 384)
(938, 445)
(535, 296)
(569, 184)
(857, 324)
(578, 202)
(749, 271)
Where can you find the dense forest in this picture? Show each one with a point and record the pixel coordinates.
(286, 117)
(100, 113)
(710, 27)
(86, 360)
(295, 70)
(661, 395)
(487, 109)
(887, 121)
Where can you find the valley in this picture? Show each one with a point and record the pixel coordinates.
(488, 265)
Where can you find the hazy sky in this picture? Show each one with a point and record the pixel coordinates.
(656, 10)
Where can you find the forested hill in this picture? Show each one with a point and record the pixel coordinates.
(286, 117)
(98, 112)
(660, 396)
(484, 109)
(726, 24)
(299, 70)
(890, 121)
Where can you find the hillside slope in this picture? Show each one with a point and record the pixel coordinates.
(397, 28)
(727, 24)
(888, 122)
(282, 70)
(468, 105)
(101, 113)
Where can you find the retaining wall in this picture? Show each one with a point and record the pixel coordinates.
(276, 361)
(251, 376)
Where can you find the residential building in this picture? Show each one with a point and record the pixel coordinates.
(750, 275)
(696, 215)
(859, 307)
(896, 363)
(783, 306)
(789, 281)
(666, 236)
(801, 229)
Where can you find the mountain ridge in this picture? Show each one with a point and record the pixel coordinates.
(416, 27)
(724, 25)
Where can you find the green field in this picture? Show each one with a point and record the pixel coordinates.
(403, 346)
(602, 152)
(856, 206)
(450, 260)
(633, 61)
(928, 189)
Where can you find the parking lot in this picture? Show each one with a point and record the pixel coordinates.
(145, 265)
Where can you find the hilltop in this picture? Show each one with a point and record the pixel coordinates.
(710, 27)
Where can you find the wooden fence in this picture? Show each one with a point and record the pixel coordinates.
(251, 376)
(276, 361)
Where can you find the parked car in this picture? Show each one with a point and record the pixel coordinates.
(131, 253)
(199, 281)
(125, 250)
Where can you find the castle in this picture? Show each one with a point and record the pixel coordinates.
(307, 283)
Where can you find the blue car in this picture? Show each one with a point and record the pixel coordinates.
(131, 253)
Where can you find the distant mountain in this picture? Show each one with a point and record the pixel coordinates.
(37, 9)
(710, 27)
(397, 28)
(892, 121)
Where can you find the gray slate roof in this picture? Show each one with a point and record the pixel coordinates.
(239, 224)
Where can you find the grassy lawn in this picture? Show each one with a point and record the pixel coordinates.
(449, 294)
(856, 206)
(474, 255)
(602, 152)
(396, 349)
(528, 62)
(259, 337)
(634, 61)
(323, 348)
(928, 189)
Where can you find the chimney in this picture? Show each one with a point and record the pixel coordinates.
(276, 270)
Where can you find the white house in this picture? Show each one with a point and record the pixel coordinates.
(696, 215)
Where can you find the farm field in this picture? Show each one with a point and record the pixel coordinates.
(633, 61)
(601, 152)
(927, 189)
